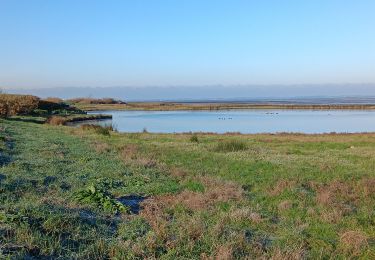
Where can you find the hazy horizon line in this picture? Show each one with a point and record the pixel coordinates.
(192, 85)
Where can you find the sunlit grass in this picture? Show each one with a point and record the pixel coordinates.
(282, 196)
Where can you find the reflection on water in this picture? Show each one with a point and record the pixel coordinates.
(244, 121)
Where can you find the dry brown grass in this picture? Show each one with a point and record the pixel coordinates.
(284, 205)
(368, 186)
(288, 254)
(56, 120)
(153, 212)
(337, 194)
(153, 209)
(327, 194)
(130, 154)
(341, 198)
(194, 227)
(242, 214)
(224, 252)
(354, 242)
(178, 173)
(215, 191)
(332, 215)
(101, 147)
(280, 186)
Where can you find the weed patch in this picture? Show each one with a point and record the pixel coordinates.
(100, 198)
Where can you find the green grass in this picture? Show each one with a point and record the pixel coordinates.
(230, 146)
(286, 196)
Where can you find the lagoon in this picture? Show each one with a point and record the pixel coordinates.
(243, 121)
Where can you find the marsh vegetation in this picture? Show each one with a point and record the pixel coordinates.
(54, 111)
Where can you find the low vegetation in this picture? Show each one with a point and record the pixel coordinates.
(51, 110)
(194, 138)
(11, 105)
(103, 130)
(230, 146)
(94, 101)
(72, 118)
(172, 106)
(76, 193)
(101, 199)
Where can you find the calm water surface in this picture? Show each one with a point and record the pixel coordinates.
(244, 121)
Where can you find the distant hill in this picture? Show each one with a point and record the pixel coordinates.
(363, 92)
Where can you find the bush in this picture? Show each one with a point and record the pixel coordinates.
(11, 105)
(231, 146)
(194, 139)
(103, 130)
(56, 120)
(46, 104)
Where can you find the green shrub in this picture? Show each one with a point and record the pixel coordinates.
(48, 104)
(102, 199)
(194, 139)
(231, 146)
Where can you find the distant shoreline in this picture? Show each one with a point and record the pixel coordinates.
(176, 106)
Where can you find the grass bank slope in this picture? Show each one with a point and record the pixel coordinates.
(76, 193)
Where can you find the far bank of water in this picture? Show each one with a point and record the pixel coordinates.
(243, 121)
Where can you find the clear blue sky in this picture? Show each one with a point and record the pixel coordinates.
(185, 42)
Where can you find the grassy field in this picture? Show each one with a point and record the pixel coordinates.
(172, 106)
(86, 193)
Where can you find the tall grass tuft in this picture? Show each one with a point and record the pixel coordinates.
(102, 130)
(230, 146)
(194, 139)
